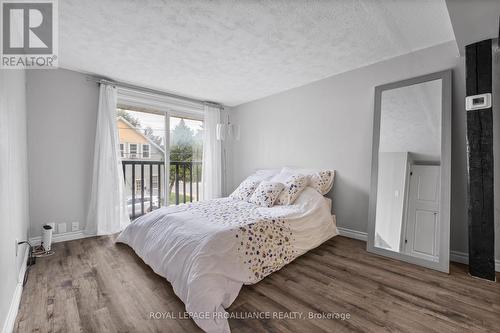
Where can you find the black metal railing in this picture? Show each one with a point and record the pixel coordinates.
(144, 181)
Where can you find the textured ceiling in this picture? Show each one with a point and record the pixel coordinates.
(410, 121)
(237, 51)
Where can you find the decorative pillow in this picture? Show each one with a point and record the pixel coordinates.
(322, 181)
(266, 193)
(293, 187)
(245, 190)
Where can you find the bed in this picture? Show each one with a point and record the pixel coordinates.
(209, 249)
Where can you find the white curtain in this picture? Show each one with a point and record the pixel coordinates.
(212, 159)
(107, 212)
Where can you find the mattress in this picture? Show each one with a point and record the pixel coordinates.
(209, 249)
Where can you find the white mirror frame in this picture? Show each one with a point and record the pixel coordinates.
(445, 168)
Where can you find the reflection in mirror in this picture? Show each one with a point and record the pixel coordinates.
(408, 188)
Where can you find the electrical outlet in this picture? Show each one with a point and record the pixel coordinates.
(53, 225)
(75, 226)
(61, 228)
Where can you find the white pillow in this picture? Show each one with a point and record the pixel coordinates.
(320, 180)
(266, 193)
(283, 175)
(294, 185)
(264, 174)
(245, 190)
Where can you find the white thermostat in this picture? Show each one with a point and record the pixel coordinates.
(478, 102)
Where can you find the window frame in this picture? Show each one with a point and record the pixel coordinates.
(140, 101)
(136, 150)
(148, 150)
(154, 181)
(138, 181)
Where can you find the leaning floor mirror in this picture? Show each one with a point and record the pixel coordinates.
(409, 216)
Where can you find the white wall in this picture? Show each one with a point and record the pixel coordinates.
(328, 124)
(13, 183)
(62, 120)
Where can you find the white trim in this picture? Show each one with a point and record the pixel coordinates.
(463, 258)
(149, 150)
(460, 257)
(136, 154)
(145, 100)
(138, 189)
(455, 256)
(166, 165)
(10, 320)
(122, 151)
(350, 233)
(56, 238)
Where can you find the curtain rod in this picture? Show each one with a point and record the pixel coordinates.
(153, 91)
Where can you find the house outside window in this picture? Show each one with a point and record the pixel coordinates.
(146, 151)
(122, 150)
(138, 185)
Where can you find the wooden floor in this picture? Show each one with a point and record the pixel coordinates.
(94, 285)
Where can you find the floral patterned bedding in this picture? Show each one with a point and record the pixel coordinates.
(209, 249)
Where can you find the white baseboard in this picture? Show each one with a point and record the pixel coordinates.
(56, 238)
(455, 256)
(350, 233)
(10, 321)
(463, 258)
(460, 257)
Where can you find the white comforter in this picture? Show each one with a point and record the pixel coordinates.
(209, 249)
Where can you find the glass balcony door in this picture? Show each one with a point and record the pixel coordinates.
(185, 151)
(161, 154)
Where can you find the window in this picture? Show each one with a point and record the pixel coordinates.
(145, 151)
(132, 150)
(155, 182)
(138, 186)
(144, 134)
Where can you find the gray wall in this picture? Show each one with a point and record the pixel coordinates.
(62, 119)
(13, 182)
(328, 124)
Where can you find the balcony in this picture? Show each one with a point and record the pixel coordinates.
(145, 184)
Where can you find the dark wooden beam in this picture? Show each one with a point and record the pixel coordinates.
(478, 61)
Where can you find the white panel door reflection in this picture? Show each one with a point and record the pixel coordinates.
(423, 213)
